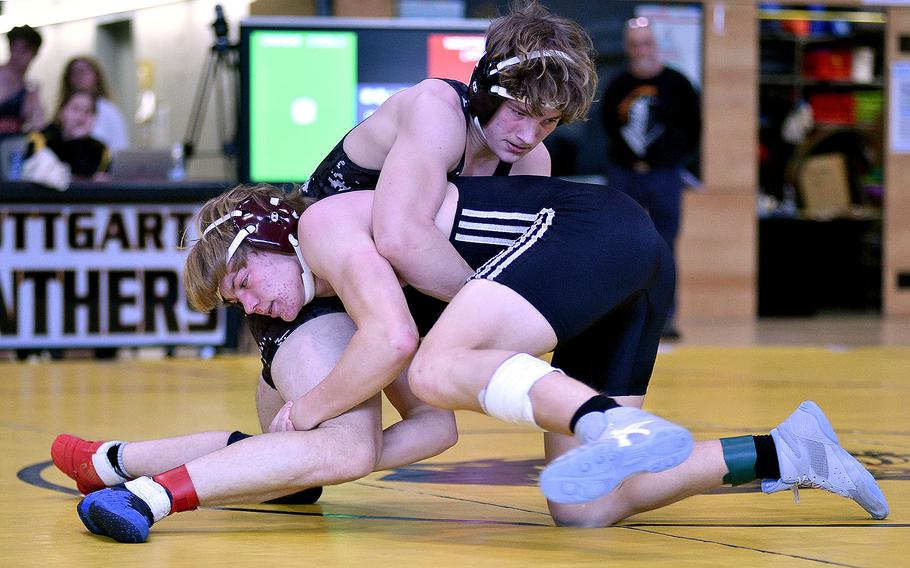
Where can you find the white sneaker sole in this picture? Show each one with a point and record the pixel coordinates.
(595, 469)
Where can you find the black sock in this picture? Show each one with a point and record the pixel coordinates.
(766, 464)
(597, 403)
(113, 457)
(236, 436)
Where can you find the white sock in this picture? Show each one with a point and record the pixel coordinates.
(153, 493)
(121, 468)
(103, 466)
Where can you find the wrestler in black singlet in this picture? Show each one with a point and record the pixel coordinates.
(337, 173)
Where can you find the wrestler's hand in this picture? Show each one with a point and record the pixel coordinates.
(301, 419)
(282, 421)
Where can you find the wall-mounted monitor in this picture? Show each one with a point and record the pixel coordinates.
(306, 81)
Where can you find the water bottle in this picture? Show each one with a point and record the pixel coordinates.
(178, 170)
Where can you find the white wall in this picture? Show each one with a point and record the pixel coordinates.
(176, 38)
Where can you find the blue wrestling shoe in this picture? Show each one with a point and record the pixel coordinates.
(118, 513)
(83, 508)
(810, 455)
(617, 444)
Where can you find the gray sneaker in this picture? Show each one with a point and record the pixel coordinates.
(617, 444)
(810, 455)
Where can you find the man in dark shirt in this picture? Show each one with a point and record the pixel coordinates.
(653, 121)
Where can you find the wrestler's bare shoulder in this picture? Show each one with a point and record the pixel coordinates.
(349, 208)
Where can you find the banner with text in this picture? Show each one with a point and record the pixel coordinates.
(96, 276)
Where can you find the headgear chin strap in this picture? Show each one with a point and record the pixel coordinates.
(306, 274)
(272, 227)
(485, 94)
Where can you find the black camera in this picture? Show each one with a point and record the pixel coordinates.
(221, 28)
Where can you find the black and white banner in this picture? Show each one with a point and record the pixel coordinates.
(98, 275)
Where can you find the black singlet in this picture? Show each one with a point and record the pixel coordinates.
(337, 172)
(589, 260)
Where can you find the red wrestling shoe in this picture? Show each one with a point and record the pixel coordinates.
(73, 456)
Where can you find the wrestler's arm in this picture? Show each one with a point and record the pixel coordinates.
(423, 431)
(430, 140)
(341, 251)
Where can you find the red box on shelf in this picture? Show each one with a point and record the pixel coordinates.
(828, 64)
(833, 108)
(799, 28)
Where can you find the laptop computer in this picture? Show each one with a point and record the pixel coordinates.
(141, 165)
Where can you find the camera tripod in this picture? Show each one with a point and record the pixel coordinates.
(220, 76)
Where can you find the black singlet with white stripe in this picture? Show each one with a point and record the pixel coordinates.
(588, 258)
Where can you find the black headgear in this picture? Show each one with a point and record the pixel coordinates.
(485, 94)
(272, 227)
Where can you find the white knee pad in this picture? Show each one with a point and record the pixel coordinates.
(507, 394)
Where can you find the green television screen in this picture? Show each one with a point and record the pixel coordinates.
(294, 116)
(305, 82)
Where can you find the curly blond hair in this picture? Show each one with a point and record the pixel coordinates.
(545, 82)
(206, 263)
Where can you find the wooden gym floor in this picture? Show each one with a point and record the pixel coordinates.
(478, 503)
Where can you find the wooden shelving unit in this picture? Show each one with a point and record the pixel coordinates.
(833, 61)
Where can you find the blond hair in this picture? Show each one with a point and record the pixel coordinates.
(545, 82)
(206, 263)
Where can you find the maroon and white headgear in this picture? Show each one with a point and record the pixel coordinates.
(271, 227)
